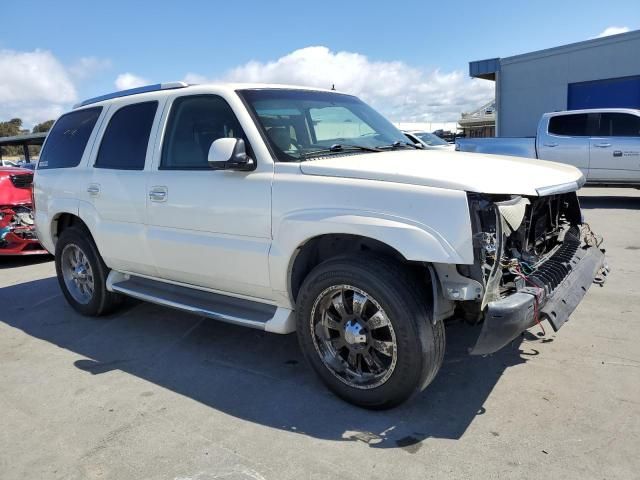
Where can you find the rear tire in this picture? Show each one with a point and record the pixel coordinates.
(82, 274)
(365, 326)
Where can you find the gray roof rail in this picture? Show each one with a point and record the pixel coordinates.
(133, 91)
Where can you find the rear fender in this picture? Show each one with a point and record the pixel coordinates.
(46, 219)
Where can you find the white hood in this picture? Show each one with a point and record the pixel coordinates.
(471, 172)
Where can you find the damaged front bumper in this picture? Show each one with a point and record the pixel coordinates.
(17, 232)
(553, 292)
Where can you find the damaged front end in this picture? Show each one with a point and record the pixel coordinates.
(536, 259)
(17, 229)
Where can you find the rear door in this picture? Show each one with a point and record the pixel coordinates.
(615, 148)
(117, 186)
(566, 140)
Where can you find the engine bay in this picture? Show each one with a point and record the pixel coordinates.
(517, 236)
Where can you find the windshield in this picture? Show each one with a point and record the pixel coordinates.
(430, 139)
(301, 124)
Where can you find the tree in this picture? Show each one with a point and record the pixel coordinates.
(43, 127)
(10, 128)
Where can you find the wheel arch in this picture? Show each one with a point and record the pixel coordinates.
(403, 240)
(320, 248)
(64, 220)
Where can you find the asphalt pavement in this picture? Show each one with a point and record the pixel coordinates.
(151, 393)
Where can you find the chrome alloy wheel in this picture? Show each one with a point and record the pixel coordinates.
(353, 336)
(77, 273)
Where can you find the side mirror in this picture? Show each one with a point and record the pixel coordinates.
(229, 154)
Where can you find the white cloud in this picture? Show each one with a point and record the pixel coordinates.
(400, 91)
(34, 86)
(612, 31)
(88, 66)
(129, 80)
(195, 78)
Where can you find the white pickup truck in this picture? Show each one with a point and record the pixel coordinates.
(289, 209)
(603, 143)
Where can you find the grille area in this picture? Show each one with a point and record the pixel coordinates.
(556, 268)
(23, 180)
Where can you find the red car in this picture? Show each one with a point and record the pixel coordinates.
(17, 231)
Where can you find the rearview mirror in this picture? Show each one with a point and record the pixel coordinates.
(229, 154)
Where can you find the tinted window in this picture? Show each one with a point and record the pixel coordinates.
(194, 123)
(124, 144)
(570, 125)
(619, 125)
(68, 138)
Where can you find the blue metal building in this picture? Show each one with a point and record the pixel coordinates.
(602, 72)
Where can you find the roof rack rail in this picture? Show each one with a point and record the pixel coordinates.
(133, 91)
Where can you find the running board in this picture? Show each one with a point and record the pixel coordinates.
(238, 311)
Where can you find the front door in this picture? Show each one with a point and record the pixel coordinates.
(205, 227)
(615, 151)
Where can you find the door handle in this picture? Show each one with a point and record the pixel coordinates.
(602, 145)
(158, 194)
(93, 189)
(550, 144)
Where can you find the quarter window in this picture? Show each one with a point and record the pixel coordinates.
(68, 139)
(195, 122)
(569, 125)
(125, 141)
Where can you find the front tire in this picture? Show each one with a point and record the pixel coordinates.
(82, 274)
(365, 327)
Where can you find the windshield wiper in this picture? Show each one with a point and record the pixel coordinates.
(341, 147)
(397, 144)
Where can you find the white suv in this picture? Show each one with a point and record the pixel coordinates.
(289, 209)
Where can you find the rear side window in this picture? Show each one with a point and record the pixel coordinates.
(619, 125)
(569, 125)
(68, 138)
(124, 143)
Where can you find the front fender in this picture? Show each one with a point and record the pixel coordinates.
(415, 241)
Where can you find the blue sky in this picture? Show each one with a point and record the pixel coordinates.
(91, 44)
